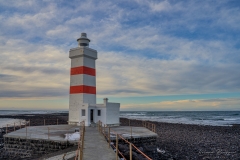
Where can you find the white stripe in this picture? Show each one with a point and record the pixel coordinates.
(82, 61)
(82, 79)
(76, 100)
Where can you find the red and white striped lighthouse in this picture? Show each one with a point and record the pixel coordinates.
(82, 78)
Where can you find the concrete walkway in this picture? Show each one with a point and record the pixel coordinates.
(96, 147)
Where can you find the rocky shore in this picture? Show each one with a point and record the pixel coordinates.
(196, 142)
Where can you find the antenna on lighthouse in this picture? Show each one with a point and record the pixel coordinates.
(83, 40)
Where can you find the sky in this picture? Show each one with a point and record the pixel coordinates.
(164, 55)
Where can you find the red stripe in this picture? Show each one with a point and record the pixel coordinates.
(82, 89)
(83, 70)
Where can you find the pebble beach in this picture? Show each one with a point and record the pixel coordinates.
(195, 142)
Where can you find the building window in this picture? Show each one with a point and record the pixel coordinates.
(99, 112)
(83, 112)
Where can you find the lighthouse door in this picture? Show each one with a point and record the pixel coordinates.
(91, 115)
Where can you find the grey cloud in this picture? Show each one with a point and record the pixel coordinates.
(7, 78)
(215, 100)
(34, 92)
(31, 69)
(122, 91)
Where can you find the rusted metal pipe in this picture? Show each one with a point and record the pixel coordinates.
(130, 147)
(131, 132)
(26, 132)
(116, 146)
(109, 137)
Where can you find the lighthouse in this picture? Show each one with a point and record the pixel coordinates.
(82, 92)
(82, 77)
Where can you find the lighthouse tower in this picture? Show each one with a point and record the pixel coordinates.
(82, 79)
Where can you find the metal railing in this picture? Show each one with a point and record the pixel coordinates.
(102, 129)
(148, 125)
(22, 124)
(79, 151)
(16, 125)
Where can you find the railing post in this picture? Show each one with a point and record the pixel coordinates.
(116, 146)
(80, 132)
(129, 122)
(48, 132)
(99, 126)
(26, 132)
(79, 154)
(44, 122)
(130, 147)
(14, 126)
(57, 121)
(83, 139)
(82, 146)
(131, 132)
(109, 137)
(20, 125)
(29, 122)
(7, 129)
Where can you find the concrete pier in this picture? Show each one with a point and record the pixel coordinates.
(39, 140)
(129, 132)
(96, 147)
(49, 132)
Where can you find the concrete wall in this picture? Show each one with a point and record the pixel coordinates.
(82, 61)
(101, 118)
(84, 79)
(82, 51)
(86, 117)
(112, 112)
(27, 148)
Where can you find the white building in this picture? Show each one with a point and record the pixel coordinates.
(82, 95)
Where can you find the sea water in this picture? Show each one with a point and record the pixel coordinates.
(10, 121)
(214, 118)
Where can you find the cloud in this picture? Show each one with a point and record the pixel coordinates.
(138, 75)
(33, 70)
(118, 73)
(145, 48)
(161, 6)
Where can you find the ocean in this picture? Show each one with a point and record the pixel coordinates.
(213, 118)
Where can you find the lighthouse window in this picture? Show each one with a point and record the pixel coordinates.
(83, 112)
(83, 44)
(99, 112)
